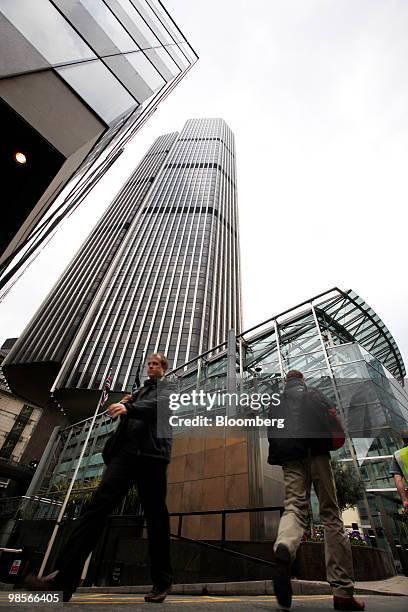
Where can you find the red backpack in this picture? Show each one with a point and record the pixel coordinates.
(329, 428)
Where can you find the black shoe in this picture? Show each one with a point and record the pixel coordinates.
(46, 583)
(157, 594)
(281, 579)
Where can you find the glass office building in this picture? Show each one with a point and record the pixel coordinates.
(77, 80)
(342, 347)
(160, 272)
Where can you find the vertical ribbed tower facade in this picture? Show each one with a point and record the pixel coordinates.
(160, 271)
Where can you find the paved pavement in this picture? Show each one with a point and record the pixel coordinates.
(397, 585)
(100, 602)
(380, 595)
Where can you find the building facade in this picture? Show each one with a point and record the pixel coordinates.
(18, 421)
(160, 271)
(218, 476)
(77, 80)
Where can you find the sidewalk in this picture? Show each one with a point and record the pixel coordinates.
(397, 585)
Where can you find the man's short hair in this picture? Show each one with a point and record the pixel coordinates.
(163, 360)
(294, 374)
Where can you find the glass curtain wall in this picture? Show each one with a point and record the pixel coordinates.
(370, 398)
(119, 57)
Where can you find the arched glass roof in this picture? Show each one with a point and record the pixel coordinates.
(351, 312)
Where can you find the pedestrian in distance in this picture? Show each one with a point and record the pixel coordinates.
(138, 453)
(399, 471)
(311, 430)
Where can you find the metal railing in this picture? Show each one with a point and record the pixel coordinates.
(222, 546)
(223, 514)
(34, 507)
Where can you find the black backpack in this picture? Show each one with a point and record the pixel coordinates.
(311, 425)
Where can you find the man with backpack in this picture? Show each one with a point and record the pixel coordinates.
(311, 430)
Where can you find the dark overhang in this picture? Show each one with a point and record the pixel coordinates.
(23, 182)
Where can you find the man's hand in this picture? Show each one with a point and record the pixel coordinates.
(114, 410)
(126, 398)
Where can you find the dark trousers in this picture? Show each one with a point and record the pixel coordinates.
(150, 476)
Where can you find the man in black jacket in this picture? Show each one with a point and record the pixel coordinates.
(305, 459)
(140, 454)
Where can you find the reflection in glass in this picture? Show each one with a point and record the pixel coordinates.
(110, 24)
(163, 62)
(146, 70)
(151, 20)
(260, 350)
(124, 71)
(99, 88)
(137, 27)
(64, 46)
(92, 16)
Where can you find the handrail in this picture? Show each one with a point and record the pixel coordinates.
(223, 517)
(222, 546)
(223, 514)
(229, 511)
(229, 551)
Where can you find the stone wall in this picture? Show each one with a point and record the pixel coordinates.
(369, 563)
(209, 473)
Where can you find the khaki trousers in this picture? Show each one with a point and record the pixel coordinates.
(298, 476)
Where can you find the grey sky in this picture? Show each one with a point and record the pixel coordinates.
(316, 93)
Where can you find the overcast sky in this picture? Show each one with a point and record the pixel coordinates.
(316, 93)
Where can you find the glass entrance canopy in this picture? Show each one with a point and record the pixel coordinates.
(332, 336)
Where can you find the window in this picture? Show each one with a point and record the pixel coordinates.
(65, 45)
(13, 436)
(99, 88)
(137, 27)
(146, 70)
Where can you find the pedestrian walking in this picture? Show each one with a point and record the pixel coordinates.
(310, 423)
(399, 471)
(138, 453)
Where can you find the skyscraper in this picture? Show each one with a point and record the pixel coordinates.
(77, 80)
(160, 271)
